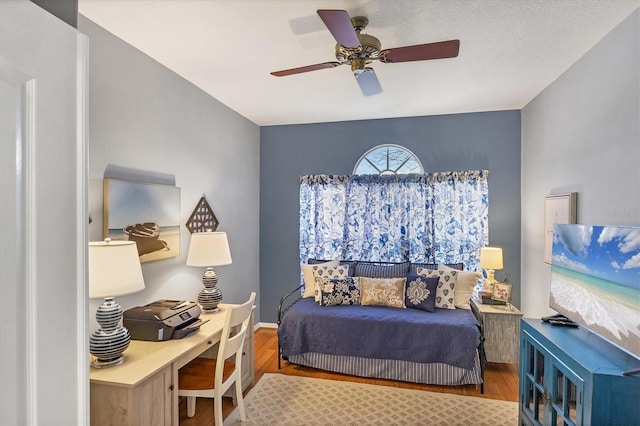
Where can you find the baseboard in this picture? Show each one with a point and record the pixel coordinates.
(266, 325)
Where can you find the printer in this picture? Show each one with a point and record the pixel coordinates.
(163, 320)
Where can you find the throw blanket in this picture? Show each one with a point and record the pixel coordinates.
(448, 336)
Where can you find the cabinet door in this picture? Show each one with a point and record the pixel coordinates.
(565, 388)
(152, 400)
(148, 403)
(533, 397)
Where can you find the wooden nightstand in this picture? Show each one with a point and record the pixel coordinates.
(501, 332)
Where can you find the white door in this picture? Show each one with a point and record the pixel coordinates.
(43, 220)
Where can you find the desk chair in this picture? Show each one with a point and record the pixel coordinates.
(211, 378)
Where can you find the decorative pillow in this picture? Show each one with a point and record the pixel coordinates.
(445, 294)
(382, 291)
(307, 274)
(372, 270)
(466, 281)
(317, 261)
(350, 263)
(322, 273)
(421, 292)
(342, 291)
(413, 268)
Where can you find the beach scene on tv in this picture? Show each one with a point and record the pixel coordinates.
(595, 280)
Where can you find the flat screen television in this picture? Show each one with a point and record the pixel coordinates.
(595, 280)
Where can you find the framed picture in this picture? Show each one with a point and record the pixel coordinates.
(559, 208)
(148, 214)
(502, 292)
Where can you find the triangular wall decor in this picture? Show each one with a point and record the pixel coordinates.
(202, 219)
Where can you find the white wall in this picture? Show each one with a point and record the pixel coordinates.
(148, 124)
(582, 134)
(42, 232)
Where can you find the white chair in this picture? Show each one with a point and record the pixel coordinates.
(211, 378)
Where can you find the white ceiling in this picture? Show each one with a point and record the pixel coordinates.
(510, 50)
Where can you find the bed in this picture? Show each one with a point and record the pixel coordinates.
(443, 347)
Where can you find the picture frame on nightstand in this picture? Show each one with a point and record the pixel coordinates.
(502, 292)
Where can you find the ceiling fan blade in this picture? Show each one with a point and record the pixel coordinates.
(368, 82)
(339, 24)
(305, 69)
(421, 52)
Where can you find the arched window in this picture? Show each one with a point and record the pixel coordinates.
(388, 159)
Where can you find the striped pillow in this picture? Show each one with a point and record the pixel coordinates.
(372, 270)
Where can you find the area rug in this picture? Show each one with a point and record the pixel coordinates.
(278, 399)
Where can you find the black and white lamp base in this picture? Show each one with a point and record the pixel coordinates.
(110, 340)
(210, 296)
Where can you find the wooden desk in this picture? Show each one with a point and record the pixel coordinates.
(143, 390)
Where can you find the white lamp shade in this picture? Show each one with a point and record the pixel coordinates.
(209, 249)
(114, 269)
(491, 258)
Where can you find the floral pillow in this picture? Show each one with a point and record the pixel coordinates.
(341, 291)
(383, 291)
(445, 293)
(421, 292)
(309, 280)
(322, 273)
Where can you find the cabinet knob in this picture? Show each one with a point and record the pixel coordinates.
(171, 388)
(209, 342)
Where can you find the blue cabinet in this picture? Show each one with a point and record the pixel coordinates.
(571, 376)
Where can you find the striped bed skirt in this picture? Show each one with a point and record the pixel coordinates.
(406, 371)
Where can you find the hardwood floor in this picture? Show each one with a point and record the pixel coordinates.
(501, 380)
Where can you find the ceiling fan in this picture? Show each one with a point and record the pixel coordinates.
(360, 50)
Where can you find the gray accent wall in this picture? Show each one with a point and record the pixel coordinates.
(489, 140)
(582, 134)
(148, 124)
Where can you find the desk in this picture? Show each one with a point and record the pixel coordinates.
(143, 390)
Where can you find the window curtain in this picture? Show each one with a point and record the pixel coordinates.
(432, 218)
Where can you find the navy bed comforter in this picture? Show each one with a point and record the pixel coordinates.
(449, 336)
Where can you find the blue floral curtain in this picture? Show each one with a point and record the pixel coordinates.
(434, 218)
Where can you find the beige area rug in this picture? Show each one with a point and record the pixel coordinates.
(278, 399)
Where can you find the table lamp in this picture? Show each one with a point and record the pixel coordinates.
(209, 249)
(491, 259)
(114, 270)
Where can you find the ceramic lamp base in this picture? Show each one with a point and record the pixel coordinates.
(111, 339)
(97, 363)
(210, 296)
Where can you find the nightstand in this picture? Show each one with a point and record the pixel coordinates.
(501, 332)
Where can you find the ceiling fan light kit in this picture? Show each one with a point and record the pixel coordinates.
(359, 50)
